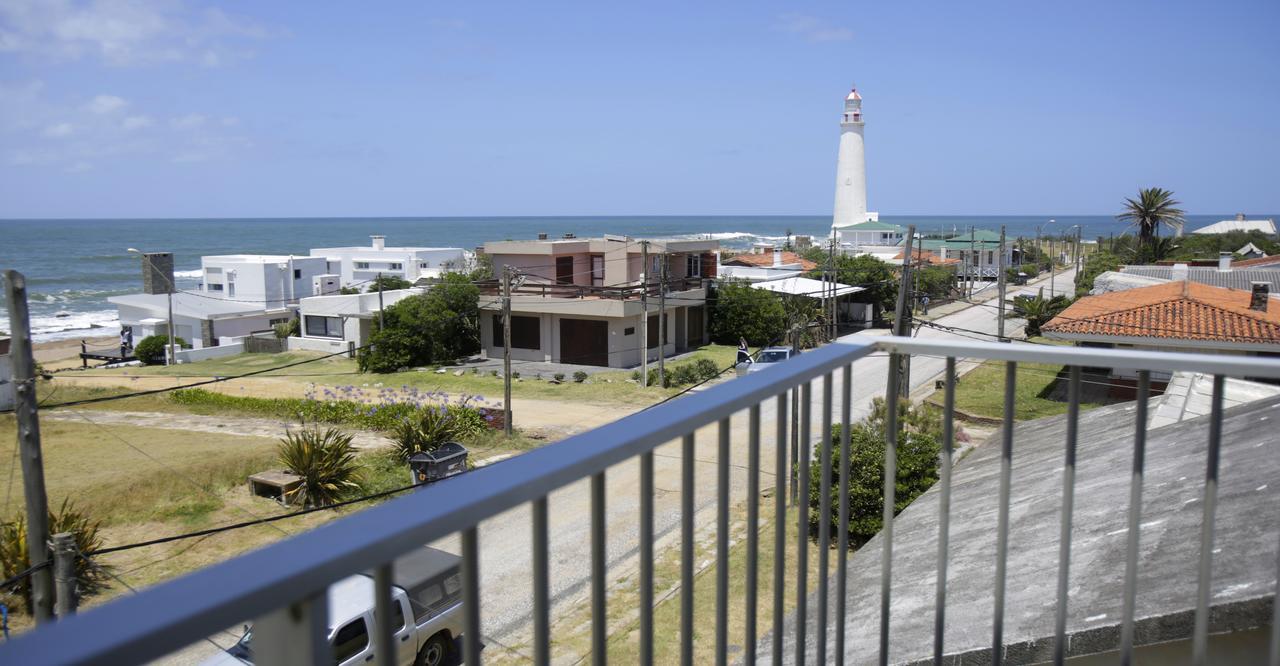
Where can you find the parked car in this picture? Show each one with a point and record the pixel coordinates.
(767, 358)
(426, 589)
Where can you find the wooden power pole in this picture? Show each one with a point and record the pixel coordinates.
(644, 314)
(899, 363)
(662, 320)
(1001, 282)
(506, 350)
(28, 421)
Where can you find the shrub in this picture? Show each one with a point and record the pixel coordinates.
(289, 329)
(580, 376)
(515, 374)
(653, 378)
(559, 376)
(151, 349)
(388, 282)
(326, 461)
(706, 369)
(436, 327)
(635, 376)
(432, 426)
(684, 374)
(742, 311)
(15, 558)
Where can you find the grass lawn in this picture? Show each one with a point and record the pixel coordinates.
(981, 391)
(603, 387)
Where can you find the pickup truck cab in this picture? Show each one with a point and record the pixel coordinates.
(426, 596)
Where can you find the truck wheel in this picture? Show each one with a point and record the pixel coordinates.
(434, 652)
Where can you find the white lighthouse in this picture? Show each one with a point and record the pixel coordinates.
(851, 168)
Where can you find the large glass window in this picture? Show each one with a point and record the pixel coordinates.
(693, 265)
(526, 332)
(350, 641)
(325, 327)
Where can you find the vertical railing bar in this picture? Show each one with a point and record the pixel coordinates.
(599, 576)
(1068, 506)
(824, 518)
(541, 584)
(794, 470)
(1002, 534)
(471, 596)
(1135, 518)
(686, 551)
(779, 526)
(722, 544)
(753, 531)
(886, 530)
(1200, 639)
(842, 538)
(646, 558)
(802, 521)
(383, 642)
(944, 509)
(1275, 621)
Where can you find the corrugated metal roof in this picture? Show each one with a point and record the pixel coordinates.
(1236, 278)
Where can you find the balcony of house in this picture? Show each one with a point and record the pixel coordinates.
(1093, 536)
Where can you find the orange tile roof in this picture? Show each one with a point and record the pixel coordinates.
(1257, 261)
(928, 257)
(1176, 311)
(766, 260)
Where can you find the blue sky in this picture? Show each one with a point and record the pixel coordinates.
(176, 108)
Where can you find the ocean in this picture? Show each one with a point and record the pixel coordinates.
(72, 266)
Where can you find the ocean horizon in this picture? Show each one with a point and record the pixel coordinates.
(73, 265)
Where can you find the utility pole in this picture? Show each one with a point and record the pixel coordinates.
(1053, 264)
(644, 314)
(662, 320)
(829, 279)
(173, 353)
(1079, 250)
(977, 265)
(28, 421)
(64, 574)
(378, 282)
(900, 363)
(1000, 282)
(506, 350)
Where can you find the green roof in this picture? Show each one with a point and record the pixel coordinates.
(978, 235)
(871, 225)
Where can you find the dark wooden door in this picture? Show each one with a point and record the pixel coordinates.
(584, 342)
(564, 270)
(695, 326)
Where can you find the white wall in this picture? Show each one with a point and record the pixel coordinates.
(411, 262)
(251, 279)
(193, 355)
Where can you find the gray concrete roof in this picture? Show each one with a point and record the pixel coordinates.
(1244, 563)
(1236, 278)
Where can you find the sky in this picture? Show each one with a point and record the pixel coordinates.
(179, 108)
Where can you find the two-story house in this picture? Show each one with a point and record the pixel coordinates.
(273, 279)
(357, 266)
(585, 300)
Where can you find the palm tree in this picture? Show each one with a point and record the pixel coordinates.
(1153, 207)
(1037, 310)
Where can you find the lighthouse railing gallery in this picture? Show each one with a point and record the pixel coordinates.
(282, 586)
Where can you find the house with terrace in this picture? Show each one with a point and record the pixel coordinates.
(357, 266)
(585, 301)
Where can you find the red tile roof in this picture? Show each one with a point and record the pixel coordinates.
(766, 260)
(1175, 311)
(1257, 261)
(929, 258)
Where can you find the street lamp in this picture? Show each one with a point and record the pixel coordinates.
(171, 357)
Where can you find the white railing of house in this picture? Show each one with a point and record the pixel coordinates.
(283, 585)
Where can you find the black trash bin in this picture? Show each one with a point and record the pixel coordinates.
(449, 459)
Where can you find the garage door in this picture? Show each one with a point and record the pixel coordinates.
(584, 342)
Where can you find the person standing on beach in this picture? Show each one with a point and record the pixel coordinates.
(126, 340)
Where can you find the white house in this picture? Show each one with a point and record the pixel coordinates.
(359, 265)
(339, 322)
(267, 278)
(1266, 226)
(870, 237)
(198, 318)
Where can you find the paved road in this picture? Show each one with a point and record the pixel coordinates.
(505, 562)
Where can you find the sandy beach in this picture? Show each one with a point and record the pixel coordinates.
(60, 353)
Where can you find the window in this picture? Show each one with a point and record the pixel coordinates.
(693, 265)
(350, 641)
(424, 264)
(397, 615)
(297, 273)
(652, 332)
(362, 265)
(215, 286)
(395, 267)
(991, 257)
(324, 327)
(630, 330)
(526, 332)
(564, 270)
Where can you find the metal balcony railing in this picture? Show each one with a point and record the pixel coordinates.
(620, 293)
(283, 585)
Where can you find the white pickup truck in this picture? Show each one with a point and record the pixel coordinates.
(426, 595)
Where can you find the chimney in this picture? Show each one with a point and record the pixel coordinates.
(1258, 295)
(1240, 217)
(379, 242)
(777, 257)
(1224, 262)
(157, 273)
(942, 253)
(542, 236)
(1179, 272)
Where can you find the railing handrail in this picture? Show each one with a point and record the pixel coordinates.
(176, 613)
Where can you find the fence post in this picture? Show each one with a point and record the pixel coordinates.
(64, 574)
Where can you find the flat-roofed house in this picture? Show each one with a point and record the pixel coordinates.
(357, 266)
(582, 300)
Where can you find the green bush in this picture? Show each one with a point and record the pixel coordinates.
(388, 283)
(705, 369)
(289, 329)
(742, 311)
(917, 470)
(432, 426)
(683, 374)
(151, 349)
(342, 405)
(436, 327)
(15, 557)
(1096, 264)
(559, 376)
(580, 376)
(326, 461)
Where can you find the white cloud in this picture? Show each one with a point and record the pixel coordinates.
(136, 122)
(813, 29)
(121, 32)
(189, 121)
(103, 104)
(59, 131)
